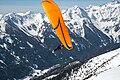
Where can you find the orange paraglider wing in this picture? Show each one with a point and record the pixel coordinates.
(55, 17)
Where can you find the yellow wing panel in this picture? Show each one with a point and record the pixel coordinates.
(54, 15)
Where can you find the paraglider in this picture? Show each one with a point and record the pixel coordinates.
(55, 17)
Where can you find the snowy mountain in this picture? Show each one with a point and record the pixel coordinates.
(27, 39)
(107, 18)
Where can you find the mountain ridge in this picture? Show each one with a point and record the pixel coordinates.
(27, 40)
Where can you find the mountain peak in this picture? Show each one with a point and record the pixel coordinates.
(26, 13)
(29, 12)
(76, 7)
(108, 4)
(114, 2)
(1, 16)
(77, 10)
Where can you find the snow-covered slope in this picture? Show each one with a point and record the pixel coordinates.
(96, 66)
(27, 40)
(111, 74)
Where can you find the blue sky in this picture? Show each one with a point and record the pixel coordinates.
(7, 6)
